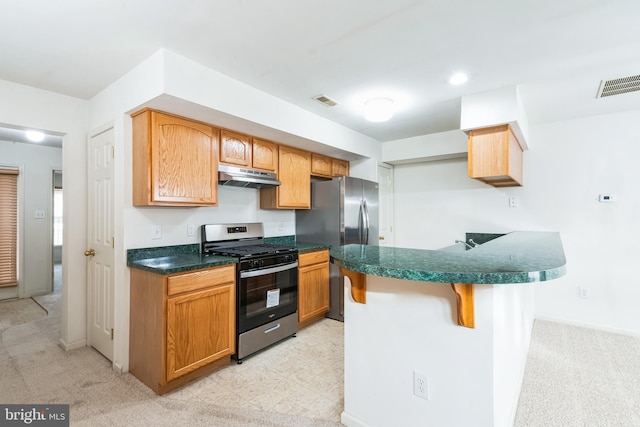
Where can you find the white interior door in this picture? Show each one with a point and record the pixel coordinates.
(100, 293)
(385, 182)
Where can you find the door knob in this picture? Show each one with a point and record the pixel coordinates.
(381, 238)
(90, 252)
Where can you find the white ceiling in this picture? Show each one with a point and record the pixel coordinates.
(556, 51)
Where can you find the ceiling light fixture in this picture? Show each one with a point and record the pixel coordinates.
(378, 109)
(458, 79)
(34, 135)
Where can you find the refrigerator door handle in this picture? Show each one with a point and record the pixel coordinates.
(361, 223)
(366, 222)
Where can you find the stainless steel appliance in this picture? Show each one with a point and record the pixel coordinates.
(266, 284)
(343, 211)
(234, 176)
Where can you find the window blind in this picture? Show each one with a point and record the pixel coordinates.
(8, 227)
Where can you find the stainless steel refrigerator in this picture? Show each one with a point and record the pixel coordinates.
(343, 211)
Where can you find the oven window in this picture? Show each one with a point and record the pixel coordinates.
(263, 296)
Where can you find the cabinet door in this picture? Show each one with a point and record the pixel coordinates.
(265, 155)
(320, 165)
(313, 285)
(294, 173)
(313, 290)
(339, 168)
(200, 329)
(184, 167)
(235, 149)
(495, 156)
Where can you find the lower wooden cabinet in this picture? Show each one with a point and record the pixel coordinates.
(182, 326)
(313, 286)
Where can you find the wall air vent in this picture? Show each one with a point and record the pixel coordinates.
(618, 86)
(325, 100)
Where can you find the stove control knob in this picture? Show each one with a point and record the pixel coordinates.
(261, 262)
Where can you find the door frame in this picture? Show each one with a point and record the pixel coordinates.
(390, 212)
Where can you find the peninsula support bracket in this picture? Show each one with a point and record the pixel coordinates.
(358, 285)
(463, 291)
(464, 295)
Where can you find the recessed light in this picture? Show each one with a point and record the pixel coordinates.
(458, 79)
(34, 135)
(378, 109)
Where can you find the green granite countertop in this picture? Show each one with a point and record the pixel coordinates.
(310, 247)
(181, 258)
(517, 257)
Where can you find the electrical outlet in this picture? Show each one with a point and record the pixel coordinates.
(583, 292)
(191, 230)
(156, 232)
(513, 202)
(421, 385)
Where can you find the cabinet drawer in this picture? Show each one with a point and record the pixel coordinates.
(310, 258)
(201, 279)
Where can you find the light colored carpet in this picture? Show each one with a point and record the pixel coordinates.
(36, 370)
(574, 377)
(580, 377)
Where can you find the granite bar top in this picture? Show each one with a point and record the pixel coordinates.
(182, 258)
(517, 257)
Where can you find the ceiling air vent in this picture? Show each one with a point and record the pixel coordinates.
(618, 86)
(326, 101)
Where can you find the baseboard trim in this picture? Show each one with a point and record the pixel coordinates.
(118, 368)
(589, 326)
(72, 346)
(351, 421)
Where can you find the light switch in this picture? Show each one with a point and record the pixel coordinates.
(39, 214)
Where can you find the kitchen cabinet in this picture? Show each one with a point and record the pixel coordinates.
(235, 149)
(339, 168)
(294, 173)
(495, 156)
(244, 151)
(265, 155)
(321, 165)
(175, 161)
(182, 326)
(313, 286)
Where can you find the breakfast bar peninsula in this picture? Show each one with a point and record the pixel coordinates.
(440, 337)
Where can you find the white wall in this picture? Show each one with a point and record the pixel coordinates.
(572, 162)
(37, 164)
(176, 84)
(27, 107)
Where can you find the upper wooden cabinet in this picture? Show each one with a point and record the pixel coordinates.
(175, 161)
(235, 149)
(294, 173)
(265, 155)
(339, 168)
(320, 165)
(242, 150)
(495, 156)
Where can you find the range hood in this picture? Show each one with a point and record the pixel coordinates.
(234, 176)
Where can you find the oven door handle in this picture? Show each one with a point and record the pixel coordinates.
(262, 272)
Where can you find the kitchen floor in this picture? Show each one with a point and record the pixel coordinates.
(302, 375)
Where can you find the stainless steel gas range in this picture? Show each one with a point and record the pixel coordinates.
(267, 284)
